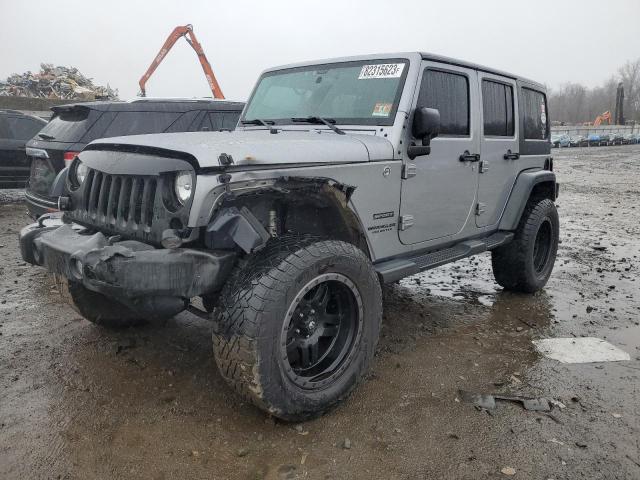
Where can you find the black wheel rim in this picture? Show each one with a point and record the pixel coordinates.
(542, 246)
(322, 325)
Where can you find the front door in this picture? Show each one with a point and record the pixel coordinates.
(499, 146)
(439, 189)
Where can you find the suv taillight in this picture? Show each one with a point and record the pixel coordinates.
(68, 157)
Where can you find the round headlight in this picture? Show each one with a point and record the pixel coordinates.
(81, 172)
(183, 186)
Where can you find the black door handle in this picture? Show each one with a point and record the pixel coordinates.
(511, 156)
(469, 157)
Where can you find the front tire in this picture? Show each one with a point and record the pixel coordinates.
(525, 264)
(298, 325)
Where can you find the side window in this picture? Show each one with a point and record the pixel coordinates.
(230, 120)
(449, 93)
(497, 109)
(223, 120)
(183, 124)
(24, 128)
(137, 123)
(4, 128)
(534, 114)
(201, 123)
(216, 120)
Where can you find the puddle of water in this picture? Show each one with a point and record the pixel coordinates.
(468, 279)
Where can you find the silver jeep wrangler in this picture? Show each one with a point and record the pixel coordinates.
(342, 175)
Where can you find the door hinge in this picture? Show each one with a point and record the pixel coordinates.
(406, 221)
(484, 166)
(480, 208)
(409, 170)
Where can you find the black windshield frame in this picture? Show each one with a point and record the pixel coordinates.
(374, 121)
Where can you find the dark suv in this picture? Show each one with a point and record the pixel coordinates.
(16, 129)
(73, 126)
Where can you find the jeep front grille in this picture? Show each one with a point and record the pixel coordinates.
(119, 201)
(131, 206)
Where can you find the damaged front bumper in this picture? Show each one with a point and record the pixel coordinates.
(129, 271)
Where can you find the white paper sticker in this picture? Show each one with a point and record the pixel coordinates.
(580, 350)
(381, 70)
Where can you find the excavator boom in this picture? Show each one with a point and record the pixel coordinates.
(185, 31)
(601, 118)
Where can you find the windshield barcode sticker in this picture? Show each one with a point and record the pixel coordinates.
(381, 70)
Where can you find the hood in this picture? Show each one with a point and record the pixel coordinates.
(260, 147)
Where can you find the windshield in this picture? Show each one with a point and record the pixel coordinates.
(364, 92)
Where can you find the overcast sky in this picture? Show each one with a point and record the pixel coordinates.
(114, 41)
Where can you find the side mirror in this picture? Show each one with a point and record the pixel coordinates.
(426, 126)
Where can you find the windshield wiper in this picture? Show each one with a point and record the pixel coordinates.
(44, 136)
(258, 121)
(329, 122)
(264, 123)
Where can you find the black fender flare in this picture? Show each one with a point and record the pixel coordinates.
(58, 185)
(520, 193)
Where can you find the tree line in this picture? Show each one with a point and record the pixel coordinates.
(573, 103)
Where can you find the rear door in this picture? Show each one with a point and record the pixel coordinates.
(439, 189)
(499, 146)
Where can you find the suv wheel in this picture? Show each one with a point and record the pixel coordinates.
(97, 308)
(525, 264)
(298, 325)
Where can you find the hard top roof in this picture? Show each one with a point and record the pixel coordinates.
(461, 63)
(423, 55)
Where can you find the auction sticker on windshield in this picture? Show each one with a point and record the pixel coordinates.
(382, 109)
(381, 70)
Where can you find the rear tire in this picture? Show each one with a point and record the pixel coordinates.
(97, 308)
(298, 325)
(525, 264)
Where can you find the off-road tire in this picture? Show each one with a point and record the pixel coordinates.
(97, 308)
(254, 306)
(514, 265)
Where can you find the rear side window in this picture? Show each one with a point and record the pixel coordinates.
(25, 128)
(534, 114)
(4, 127)
(449, 93)
(223, 120)
(230, 120)
(497, 109)
(184, 123)
(137, 123)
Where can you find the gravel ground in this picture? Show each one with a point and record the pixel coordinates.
(80, 402)
(11, 196)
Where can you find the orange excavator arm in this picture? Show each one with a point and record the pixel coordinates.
(601, 118)
(185, 31)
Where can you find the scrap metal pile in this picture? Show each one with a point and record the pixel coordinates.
(55, 82)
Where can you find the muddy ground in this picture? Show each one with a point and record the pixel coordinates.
(80, 402)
